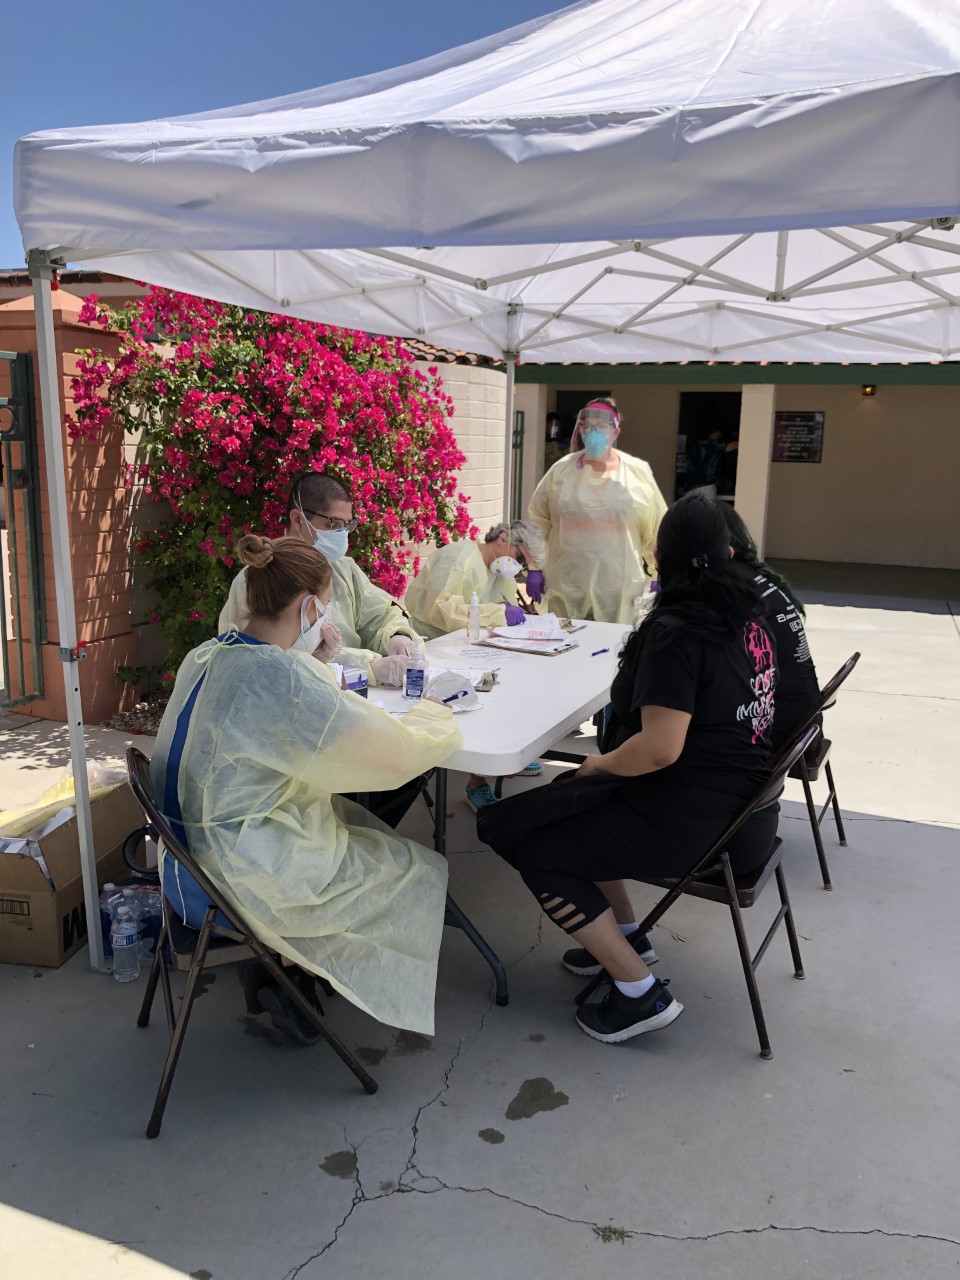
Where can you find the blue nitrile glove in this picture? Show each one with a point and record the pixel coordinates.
(535, 585)
(515, 615)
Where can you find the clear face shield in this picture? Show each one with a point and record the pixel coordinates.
(597, 427)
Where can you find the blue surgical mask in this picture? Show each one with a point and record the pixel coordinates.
(596, 442)
(331, 543)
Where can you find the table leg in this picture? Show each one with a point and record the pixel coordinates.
(455, 916)
(440, 812)
(460, 921)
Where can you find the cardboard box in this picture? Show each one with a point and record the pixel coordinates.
(46, 924)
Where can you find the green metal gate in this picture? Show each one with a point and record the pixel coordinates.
(22, 613)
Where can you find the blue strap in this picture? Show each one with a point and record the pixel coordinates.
(193, 901)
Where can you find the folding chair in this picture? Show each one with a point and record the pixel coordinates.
(711, 877)
(807, 768)
(221, 939)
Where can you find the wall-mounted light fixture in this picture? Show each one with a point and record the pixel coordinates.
(868, 389)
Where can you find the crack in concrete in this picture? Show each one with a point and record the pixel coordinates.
(630, 1232)
(404, 1185)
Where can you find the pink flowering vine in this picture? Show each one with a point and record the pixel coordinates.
(233, 405)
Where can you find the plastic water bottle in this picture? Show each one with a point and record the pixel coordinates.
(414, 678)
(133, 900)
(473, 619)
(125, 939)
(110, 899)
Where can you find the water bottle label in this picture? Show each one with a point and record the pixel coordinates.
(124, 940)
(415, 683)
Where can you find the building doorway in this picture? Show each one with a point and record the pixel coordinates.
(708, 436)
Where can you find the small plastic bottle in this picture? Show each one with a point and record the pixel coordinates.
(110, 899)
(133, 901)
(125, 938)
(415, 676)
(473, 619)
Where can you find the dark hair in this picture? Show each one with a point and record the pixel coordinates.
(576, 444)
(279, 570)
(745, 550)
(314, 490)
(699, 584)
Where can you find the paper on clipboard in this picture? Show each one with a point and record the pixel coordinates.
(549, 647)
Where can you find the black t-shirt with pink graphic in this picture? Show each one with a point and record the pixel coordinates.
(728, 688)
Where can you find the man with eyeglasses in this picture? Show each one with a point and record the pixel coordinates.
(373, 631)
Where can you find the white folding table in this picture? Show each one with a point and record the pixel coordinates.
(537, 701)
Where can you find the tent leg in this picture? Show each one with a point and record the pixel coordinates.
(510, 359)
(41, 272)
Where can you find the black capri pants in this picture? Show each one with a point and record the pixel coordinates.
(561, 862)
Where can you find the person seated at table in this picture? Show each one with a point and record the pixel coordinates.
(688, 744)
(797, 686)
(255, 751)
(371, 630)
(439, 597)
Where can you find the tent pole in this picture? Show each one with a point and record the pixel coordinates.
(41, 267)
(510, 359)
(511, 362)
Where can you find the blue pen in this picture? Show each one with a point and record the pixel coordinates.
(597, 652)
(454, 696)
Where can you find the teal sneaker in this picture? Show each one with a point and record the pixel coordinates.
(479, 797)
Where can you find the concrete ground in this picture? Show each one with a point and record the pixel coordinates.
(511, 1145)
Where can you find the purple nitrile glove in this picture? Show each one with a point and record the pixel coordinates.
(535, 585)
(515, 615)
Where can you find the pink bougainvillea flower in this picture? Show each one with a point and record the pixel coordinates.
(233, 405)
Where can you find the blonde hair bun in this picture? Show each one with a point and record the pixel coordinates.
(254, 551)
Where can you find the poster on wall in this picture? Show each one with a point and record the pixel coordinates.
(798, 437)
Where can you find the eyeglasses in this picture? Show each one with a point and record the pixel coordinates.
(333, 523)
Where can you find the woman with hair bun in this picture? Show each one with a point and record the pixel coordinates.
(255, 752)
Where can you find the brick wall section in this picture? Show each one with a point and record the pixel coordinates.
(97, 516)
(479, 397)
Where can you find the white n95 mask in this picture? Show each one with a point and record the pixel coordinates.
(310, 636)
(506, 567)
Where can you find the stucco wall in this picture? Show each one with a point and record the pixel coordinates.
(884, 493)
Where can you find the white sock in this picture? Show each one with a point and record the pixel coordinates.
(636, 989)
(627, 929)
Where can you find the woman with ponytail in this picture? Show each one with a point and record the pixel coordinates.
(599, 509)
(798, 688)
(687, 745)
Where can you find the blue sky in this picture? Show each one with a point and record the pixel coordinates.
(102, 62)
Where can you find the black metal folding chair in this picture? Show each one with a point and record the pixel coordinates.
(711, 877)
(215, 943)
(807, 768)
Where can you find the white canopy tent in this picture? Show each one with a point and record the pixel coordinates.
(623, 180)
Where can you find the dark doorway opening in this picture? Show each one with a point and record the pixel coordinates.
(708, 434)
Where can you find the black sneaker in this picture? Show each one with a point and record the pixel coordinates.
(618, 1017)
(287, 1016)
(579, 960)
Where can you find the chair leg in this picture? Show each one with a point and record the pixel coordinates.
(837, 815)
(815, 828)
(180, 1026)
(143, 1017)
(746, 960)
(296, 995)
(788, 921)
